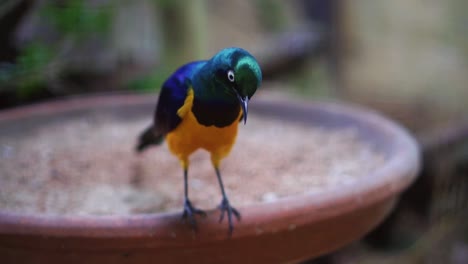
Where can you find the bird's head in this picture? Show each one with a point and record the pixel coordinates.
(237, 76)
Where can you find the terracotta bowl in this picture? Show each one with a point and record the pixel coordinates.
(291, 229)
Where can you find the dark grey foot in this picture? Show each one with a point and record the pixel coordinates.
(189, 213)
(225, 207)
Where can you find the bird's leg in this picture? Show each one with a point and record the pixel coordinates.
(225, 206)
(189, 209)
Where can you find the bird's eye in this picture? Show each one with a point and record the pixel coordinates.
(230, 75)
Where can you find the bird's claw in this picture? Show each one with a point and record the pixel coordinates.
(189, 212)
(226, 207)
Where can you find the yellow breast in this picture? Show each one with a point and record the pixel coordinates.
(189, 135)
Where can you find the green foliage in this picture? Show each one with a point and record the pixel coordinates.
(27, 76)
(151, 82)
(312, 80)
(34, 57)
(38, 62)
(30, 69)
(271, 14)
(74, 17)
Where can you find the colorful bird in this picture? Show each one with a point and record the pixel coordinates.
(200, 106)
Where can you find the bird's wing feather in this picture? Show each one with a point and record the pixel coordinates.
(172, 98)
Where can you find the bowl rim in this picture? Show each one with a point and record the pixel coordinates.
(394, 176)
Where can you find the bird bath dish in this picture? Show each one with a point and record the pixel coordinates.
(306, 177)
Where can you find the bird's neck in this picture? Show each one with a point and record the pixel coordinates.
(210, 105)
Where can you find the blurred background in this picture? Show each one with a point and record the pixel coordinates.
(407, 59)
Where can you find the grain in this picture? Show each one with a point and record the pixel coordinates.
(87, 166)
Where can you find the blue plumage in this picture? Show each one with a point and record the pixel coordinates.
(172, 97)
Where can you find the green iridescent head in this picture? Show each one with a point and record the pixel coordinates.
(237, 76)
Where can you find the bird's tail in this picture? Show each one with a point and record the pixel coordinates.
(148, 138)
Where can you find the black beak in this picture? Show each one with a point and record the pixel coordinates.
(244, 104)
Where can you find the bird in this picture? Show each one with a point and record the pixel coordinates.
(199, 107)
